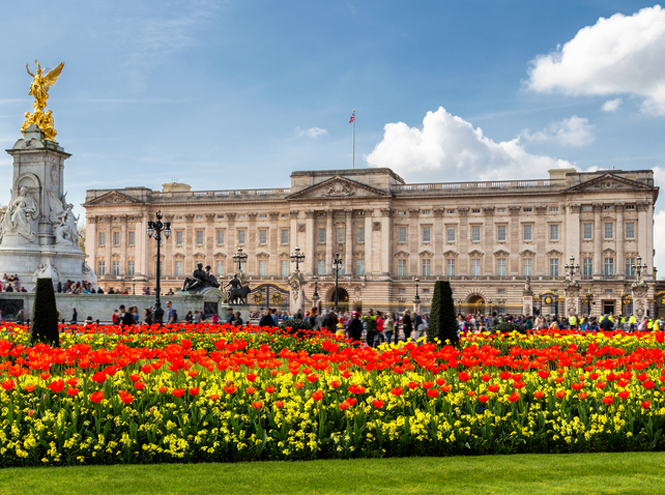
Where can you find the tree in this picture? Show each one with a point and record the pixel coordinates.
(44, 326)
(442, 320)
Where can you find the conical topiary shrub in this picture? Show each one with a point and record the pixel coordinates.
(442, 320)
(44, 326)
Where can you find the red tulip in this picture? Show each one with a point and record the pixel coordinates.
(397, 391)
(318, 395)
(96, 397)
(433, 393)
(624, 394)
(194, 391)
(560, 394)
(464, 376)
(257, 405)
(483, 398)
(378, 404)
(646, 404)
(178, 392)
(56, 386)
(608, 399)
(493, 388)
(514, 397)
(539, 394)
(344, 405)
(279, 404)
(8, 385)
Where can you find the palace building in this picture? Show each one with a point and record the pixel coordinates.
(489, 238)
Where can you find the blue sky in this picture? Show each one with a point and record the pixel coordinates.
(199, 90)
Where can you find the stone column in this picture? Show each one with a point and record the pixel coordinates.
(597, 240)
(515, 237)
(275, 240)
(310, 240)
(109, 244)
(527, 299)
(619, 240)
(572, 297)
(463, 241)
(210, 240)
(252, 245)
(640, 300)
(167, 267)
(438, 243)
(644, 233)
(541, 236)
(572, 232)
(369, 242)
(348, 255)
(386, 240)
(329, 242)
(91, 241)
(488, 240)
(141, 248)
(123, 244)
(230, 240)
(189, 245)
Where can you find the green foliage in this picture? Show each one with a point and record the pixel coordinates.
(442, 320)
(44, 325)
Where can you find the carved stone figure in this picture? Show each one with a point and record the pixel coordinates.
(338, 189)
(237, 294)
(20, 215)
(201, 279)
(39, 87)
(46, 270)
(65, 228)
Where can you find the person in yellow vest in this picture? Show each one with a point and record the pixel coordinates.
(632, 321)
(573, 322)
(656, 325)
(650, 324)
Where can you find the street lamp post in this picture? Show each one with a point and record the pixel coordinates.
(155, 230)
(571, 268)
(417, 298)
(337, 265)
(240, 257)
(315, 296)
(459, 306)
(639, 267)
(297, 258)
(490, 304)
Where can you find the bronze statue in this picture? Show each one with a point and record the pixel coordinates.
(41, 83)
(237, 294)
(201, 279)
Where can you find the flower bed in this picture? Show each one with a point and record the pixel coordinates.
(218, 393)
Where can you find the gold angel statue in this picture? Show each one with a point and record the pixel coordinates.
(41, 83)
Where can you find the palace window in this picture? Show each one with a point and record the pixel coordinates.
(241, 236)
(263, 237)
(102, 238)
(116, 238)
(587, 231)
(199, 238)
(101, 268)
(501, 233)
(609, 231)
(322, 236)
(630, 271)
(450, 267)
(130, 268)
(450, 234)
(220, 237)
(285, 236)
(527, 267)
(284, 268)
(178, 268)
(320, 267)
(475, 233)
(340, 235)
(608, 266)
(554, 267)
(427, 234)
(475, 267)
(360, 235)
(501, 267)
(587, 267)
(401, 268)
(401, 234)
(426, 265)
(131, 237)
(178, 237)
(360, 267)
(526, 231)
(554, 232)
(115, 267)
(263, 268)
(630, 230)
(220, 268)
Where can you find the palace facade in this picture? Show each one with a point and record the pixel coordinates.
(489, 238)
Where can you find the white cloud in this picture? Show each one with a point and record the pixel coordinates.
(574, 131)
(448, 148)
(622, 54)
(312, 132)
(611, 105)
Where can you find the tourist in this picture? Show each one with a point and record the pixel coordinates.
(330, 321)
(229, 316)
(370, 324)
(74, 317)
(171, 315)
(189, 317)
(115, 317)
(237, 320)
(147, 316)
(126, 317)
(267, 320)
(407, 325)
(380, 338)
(215, 319)
(197, 317)
(88, 321)
(389, 327)
(354, 328)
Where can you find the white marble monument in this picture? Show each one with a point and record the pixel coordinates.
(38, 231)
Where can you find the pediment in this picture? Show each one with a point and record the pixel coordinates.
(338, 187)
(451, 252)
(609, 182)
(401, 254)
(112, 198)
(426, 252)
(476, 252)
(527, 252)
(501, 252)
(553, 252)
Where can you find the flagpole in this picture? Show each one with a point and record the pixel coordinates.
(353, 154)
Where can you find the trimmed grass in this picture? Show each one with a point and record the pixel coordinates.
(623, 473)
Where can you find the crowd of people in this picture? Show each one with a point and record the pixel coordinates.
(11, 284)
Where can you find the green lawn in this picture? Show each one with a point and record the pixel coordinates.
(638, 473)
